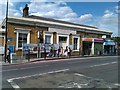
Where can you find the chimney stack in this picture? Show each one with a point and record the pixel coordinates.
(25, 11)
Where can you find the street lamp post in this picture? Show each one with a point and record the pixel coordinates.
(6, 32)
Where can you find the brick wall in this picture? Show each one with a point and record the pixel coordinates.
(33, 34)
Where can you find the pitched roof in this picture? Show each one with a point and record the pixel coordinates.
(55, 20)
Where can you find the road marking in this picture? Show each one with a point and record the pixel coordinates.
(8, 70)
(117, 84)
(34, 67)
(81, 75)
(103, 64)
(85, 84)
(14, 85)
(23, 68)
(86, 58)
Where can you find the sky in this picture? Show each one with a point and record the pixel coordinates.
(103, 15)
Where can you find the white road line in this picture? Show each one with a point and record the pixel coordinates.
(8, 70)
(14, 85)
(117, 84)
(23, 68)
(34, 67)
(82, 75)
(103, 64)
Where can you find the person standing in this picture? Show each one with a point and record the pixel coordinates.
(61, 51)
(8, 55)
(44, 53)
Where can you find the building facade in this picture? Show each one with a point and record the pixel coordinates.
(82, 39)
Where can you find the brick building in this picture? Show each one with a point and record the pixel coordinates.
(28, 28)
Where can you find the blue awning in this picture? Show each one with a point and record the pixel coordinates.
(109, 42)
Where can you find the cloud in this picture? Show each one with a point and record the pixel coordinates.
(85, 18)
(109, 21)
(60, 10)
(12, 11)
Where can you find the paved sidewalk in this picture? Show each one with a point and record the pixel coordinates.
(32, 60)
(22, 61)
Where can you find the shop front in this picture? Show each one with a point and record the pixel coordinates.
(98, 46)
(92, 46)
(109, 47)
(87, 46)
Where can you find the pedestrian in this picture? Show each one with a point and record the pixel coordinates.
(51, 52)
(8, 55)
(69, 52)
(66, 51)
(44, 53)
(58, 52)
(61, 51)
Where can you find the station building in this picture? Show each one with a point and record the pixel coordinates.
(83, 39)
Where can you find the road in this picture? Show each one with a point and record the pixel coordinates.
(103, 67)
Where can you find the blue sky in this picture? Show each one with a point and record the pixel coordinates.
(103, 15)
(95, 8)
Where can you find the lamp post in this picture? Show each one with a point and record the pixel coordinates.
(6, 32)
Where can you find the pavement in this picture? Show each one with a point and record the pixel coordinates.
(22, 61)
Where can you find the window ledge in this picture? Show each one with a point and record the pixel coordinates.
(19, 49)
(75, 50)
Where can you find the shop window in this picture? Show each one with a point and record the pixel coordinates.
(75, 42)
(47, 39)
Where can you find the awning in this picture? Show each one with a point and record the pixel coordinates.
(87, 39)
(109, 42)
(98, 40)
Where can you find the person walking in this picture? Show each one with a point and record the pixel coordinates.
(66, 51)
(69, 52)
(51, 52)
(58, 54)
(8, 55)
(61, 51)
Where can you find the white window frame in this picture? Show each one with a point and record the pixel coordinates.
(78, 42)
(24, 32)
(62, 35)
(49, 34)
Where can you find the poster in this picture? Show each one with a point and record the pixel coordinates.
(11, 47)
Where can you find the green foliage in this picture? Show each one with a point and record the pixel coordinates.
(116, 39)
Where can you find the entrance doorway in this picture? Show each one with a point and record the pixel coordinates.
(63, 41)
(87, 47)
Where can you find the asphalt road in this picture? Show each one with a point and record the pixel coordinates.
(104, 67)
